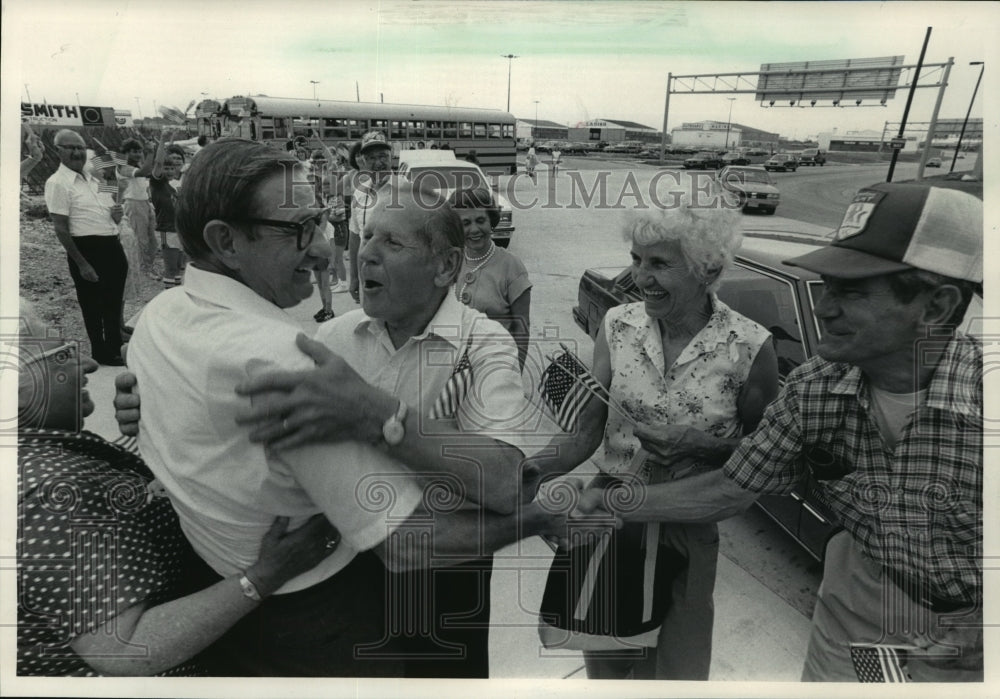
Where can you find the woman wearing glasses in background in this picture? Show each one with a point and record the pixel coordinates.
(492, 280)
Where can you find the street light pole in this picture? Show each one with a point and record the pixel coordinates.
(314, 84)
(535, 132)
(729, 120)
(138, 107)
(510, 59)
(982, 67)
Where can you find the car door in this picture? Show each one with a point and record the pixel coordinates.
(782, 305)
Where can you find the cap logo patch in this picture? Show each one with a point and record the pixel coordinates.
(858, 213)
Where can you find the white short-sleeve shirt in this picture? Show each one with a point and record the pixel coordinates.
(192, 345)
(69, 193)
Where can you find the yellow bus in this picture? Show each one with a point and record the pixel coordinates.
(489, 132)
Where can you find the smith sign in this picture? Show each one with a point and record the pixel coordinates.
(61, 114)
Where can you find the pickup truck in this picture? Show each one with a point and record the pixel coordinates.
(812, 156)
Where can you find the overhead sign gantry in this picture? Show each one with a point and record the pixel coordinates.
(852, 82)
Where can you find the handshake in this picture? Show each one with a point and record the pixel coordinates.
(570, 514)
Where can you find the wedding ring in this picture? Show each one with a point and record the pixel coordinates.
(331, 544)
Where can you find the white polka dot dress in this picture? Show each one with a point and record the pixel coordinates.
(92, 541)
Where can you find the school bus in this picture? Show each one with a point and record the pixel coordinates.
(489, 132)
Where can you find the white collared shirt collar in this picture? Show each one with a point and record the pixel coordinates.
(445, 324)
(220, 290)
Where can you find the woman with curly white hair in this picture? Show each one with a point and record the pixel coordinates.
(692, 376)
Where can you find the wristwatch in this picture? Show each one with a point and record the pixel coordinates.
(394, 429)
(249, 589)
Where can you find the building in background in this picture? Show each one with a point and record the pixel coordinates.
(529, 130)
(719, 135)
(613, 131)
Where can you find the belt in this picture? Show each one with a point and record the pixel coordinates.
(920, 593)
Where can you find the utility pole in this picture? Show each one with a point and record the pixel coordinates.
(510, 59)
(729, 121)
(138, 107)
(982, 67)
(533, 133)
(314, 84)
(906, 109)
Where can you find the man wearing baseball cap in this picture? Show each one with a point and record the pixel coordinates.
(885, 426)
(374, 161)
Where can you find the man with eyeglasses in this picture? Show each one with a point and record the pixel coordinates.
(86, 223)
(253, 243)
(374, 160)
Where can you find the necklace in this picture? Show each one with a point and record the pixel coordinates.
(481, 257)
(470, 276)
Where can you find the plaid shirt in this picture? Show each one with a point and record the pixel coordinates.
(918, 509)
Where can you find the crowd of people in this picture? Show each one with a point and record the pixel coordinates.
(329, 506)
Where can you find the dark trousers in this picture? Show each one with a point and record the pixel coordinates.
(441, 619)
(332, 629)
(101, 301)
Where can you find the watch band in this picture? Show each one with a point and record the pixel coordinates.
(249, 589)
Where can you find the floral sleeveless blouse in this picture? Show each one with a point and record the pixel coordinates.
(700, 389)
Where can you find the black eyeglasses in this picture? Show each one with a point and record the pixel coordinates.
(305, 230)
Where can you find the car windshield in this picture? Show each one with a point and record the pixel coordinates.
(747, 176)
(447, 177)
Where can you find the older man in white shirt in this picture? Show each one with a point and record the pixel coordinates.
(253, 246)
(86, 223)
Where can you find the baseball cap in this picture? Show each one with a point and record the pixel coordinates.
(892, 227)
(373, 139)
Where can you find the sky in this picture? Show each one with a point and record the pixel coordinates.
(580, 60)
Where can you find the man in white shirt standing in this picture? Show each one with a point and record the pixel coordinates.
(374, 161)
(86, 222)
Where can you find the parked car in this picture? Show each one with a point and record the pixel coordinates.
(753, 187)
(434, 169)
(652, 153)
(734, 158)
(812, 156)
(934, 162)
(781, 161)
(756, 151)
(543, 146)
(706, 160)
(624, 147)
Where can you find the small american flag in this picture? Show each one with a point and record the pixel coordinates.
(455, 390)
(117, 158)
(107, 187)
(102, 161)
(878, 663)
(566, 386)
